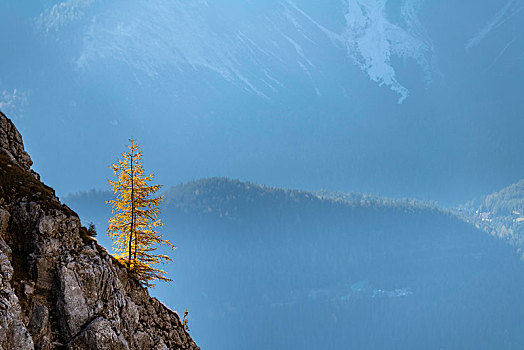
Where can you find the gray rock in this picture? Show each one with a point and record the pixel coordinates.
(72, 302)
(19, 337)
(99, 335)
(39, 326)
(11, 143)
(48, 225)
(4, 221)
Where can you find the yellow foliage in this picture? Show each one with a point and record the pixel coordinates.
(133, 228)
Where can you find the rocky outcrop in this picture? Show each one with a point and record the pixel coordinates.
(11, 143)
(58, 287)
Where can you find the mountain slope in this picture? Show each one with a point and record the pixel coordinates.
(59, 288)
(182, 76)
(251, 53)
(302, 270)
(500, 213)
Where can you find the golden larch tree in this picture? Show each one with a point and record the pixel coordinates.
(133, 228)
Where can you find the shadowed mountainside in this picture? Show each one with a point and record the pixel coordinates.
(303, 270)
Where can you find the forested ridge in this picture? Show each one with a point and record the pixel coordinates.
(226, 201)
(500, 214)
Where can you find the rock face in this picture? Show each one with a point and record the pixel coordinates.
(58, 287)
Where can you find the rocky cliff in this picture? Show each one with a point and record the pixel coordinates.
(58, 287)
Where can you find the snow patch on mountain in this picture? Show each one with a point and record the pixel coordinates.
(371, 39)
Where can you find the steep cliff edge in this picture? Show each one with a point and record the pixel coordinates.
(58, 287)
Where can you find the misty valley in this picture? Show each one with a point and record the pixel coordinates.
(264, 267)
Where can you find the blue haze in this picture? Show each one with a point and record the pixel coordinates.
(230, 89)
(405, 98)
(261, 267)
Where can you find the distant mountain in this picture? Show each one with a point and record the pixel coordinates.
(244, 203)
(255, 53)
(283, 92)
(262, 267)
(226, 202)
